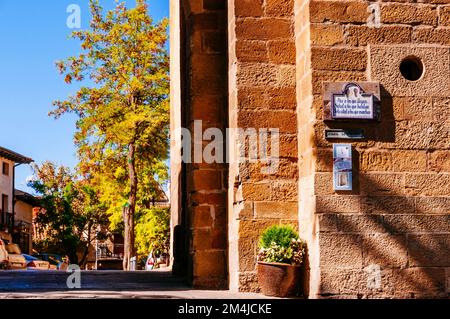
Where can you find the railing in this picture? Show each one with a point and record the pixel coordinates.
(6, 221)
(103, 253)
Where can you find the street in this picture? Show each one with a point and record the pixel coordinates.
(105, 284)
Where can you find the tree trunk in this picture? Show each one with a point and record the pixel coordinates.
(86, 248)
(129, 210)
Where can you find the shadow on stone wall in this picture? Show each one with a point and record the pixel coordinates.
(383, 226)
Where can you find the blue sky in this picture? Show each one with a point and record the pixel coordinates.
(33, 36)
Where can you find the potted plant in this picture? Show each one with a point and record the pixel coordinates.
(280, 258)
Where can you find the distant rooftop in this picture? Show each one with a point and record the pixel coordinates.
(13, 156)
(25, 197)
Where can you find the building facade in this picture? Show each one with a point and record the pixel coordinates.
(260, 64)
(23, 220)
(9, 160)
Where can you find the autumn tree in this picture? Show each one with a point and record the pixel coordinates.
(123, 113)
(69, 212)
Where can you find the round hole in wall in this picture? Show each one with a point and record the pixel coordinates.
(411, 68)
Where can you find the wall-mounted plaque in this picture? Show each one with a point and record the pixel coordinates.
(354, 134)
(351, 101)
(342, 167)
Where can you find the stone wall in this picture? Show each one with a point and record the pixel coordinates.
(398, 215)
(262, 95)
(276, 55)
(200, 92)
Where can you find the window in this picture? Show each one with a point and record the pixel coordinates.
(5, 203)
(5, 168)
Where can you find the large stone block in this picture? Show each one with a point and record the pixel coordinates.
(252, 229)
(282, 52)
(338, 11)
(326, 34)
(202, 216)
(360, 35)
(409, 13)
(409, 161)
(388, 205)
(441, 109)
(248, 282)
(419, 283)
(276, 210)
(282, 98)
(288, 146)
(323, 184)
(207, 180)
(415, 108)
(382, 184)
(279, 8)
(338, 204)
(327, 223)
(340, 251)
(209, 264)
(338, 59)
(428, 184)
(400, 224)
(257, 75)
(284, 191)
(248, 8)
(421, 135)
(429, 250)
(285, 169)
(433, 205)
(376, 161)
(432, 35)
(247, 253)
(384, 250)
(206, 239)
(264, 28)
(358, 223)
(256, 191)
(208, 108)
(252, 51)
(284, 120)
(385, 62)
(444, 15)
(324, 161)
(440, 161)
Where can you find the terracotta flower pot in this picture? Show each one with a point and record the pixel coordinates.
(279, 280)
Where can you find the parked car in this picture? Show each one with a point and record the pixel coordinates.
(3, 255)
(56, 261)
(15, 258)
(34, 263)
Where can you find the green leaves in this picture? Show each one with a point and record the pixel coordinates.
(153, 230)
(69, 209)
(281, 244)
(280, 235)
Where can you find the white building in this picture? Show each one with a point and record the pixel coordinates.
(9, 160)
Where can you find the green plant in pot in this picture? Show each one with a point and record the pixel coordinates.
(280, 258)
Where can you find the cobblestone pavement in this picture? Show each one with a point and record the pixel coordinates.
(105, 284)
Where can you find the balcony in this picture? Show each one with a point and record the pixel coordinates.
(6, 222)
